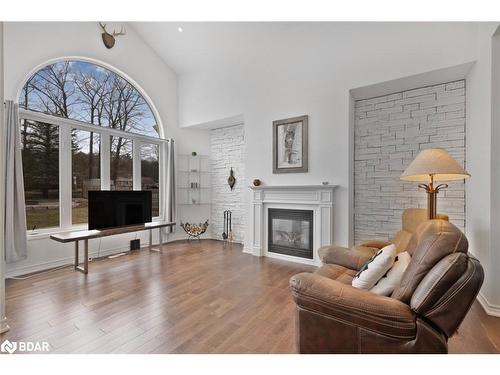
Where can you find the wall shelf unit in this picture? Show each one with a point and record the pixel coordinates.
(193, 180)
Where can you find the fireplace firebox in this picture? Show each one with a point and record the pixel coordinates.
(290, 232)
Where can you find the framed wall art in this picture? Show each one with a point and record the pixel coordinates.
(290, 145)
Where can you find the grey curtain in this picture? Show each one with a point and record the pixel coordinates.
(15, 210)
(170, 184)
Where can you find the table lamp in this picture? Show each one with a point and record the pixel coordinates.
(432, 165)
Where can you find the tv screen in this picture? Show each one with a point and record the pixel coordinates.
(109, 209)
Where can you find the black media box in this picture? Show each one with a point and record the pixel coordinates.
(135, 244)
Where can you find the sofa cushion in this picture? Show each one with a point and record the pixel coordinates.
(386, 285)
(336, 272)
(433, 240)
(375, 268)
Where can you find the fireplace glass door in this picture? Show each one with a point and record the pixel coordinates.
(290, 232)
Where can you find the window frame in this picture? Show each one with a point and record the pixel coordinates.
(66, 126)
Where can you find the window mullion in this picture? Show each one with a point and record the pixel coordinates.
(136, 165)
(105, 162)
(76, 124)
(65, 178)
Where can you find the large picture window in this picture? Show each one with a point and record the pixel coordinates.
(80, 126)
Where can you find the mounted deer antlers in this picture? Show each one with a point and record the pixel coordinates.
(109, 39)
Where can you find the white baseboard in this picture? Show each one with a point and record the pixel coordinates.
(247, 250)
(43, 266)
(490, 309)
(60, 262)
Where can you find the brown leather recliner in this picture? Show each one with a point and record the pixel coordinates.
(435, 293)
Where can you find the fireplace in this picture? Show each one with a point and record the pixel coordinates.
(290, 232)
(317, 200)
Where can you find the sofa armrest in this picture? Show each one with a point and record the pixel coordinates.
(349, 258)
(379, 244)
(356, 307)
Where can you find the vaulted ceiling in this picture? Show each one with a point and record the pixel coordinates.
(204, 46)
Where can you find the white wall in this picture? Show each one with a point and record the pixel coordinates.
(27, 45)
(309, 69)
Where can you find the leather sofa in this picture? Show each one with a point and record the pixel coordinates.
(435, 293)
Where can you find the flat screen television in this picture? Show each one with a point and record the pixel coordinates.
(110, 209)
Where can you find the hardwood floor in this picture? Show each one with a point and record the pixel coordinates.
(198, 297)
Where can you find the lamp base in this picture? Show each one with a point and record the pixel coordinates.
(432, 193)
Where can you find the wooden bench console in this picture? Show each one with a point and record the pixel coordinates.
(86, 235)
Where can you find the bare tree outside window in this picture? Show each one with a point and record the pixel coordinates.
(85, 172)
(90, 93)
(121, 164)
(40, 152)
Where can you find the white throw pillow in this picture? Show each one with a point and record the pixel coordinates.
(386, 285)
(375, 268)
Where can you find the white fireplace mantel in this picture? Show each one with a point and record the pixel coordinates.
(318, 198)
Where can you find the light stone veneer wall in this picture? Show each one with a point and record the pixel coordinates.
(226, 151)
(389, 133)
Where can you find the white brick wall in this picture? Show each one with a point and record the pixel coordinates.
(389, 132)
(226, 151)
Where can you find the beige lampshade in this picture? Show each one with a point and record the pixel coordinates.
(436, 162)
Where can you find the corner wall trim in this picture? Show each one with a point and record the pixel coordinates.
(4, 327)
(490, 309)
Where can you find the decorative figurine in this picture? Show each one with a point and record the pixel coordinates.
(231, 180)
(109, 39)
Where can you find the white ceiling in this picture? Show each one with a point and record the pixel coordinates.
(249, 46)
(203, 45)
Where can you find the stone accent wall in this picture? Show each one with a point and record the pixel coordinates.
(226, 151)
(389, 133)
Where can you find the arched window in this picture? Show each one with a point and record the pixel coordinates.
(84, 127)
(87, 92)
